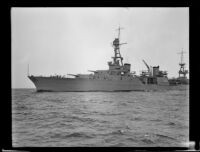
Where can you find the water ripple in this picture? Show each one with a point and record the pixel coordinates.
(99, 119)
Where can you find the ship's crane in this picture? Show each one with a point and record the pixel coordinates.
(149, 69)
(146, 66)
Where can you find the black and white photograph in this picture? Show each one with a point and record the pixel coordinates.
(100, 76)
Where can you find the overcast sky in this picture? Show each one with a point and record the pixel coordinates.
(75, 40)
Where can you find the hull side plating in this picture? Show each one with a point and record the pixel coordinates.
(72, 85)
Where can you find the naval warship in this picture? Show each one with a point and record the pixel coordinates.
(155, 79)
(118, 77)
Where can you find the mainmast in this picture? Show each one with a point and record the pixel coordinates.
(116, 45)
(182, 72)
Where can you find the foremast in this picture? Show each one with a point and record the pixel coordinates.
(117, 67)
(116, 45)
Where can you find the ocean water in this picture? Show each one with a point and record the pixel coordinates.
(90, 119)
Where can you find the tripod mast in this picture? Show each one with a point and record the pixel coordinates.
(116, 45)
(182, 72)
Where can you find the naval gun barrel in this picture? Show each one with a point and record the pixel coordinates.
(92, 71)
(73, 75)
(122, 43)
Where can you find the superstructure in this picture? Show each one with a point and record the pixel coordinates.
(117, 78)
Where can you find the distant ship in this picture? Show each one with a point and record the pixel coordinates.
(155, 79)
(117, 78)
(182, 77)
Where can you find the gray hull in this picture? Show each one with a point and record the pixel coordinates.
(84, 85)
(72, 84)
(154, 87)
